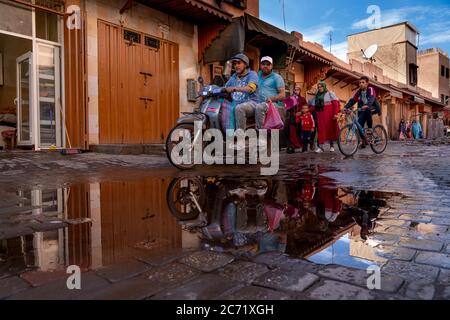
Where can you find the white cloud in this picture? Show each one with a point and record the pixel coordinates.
(327, 14)
(414, 13)
(319, 34)
(340, 50)
(436, 38)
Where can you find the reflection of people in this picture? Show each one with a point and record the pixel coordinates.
(367, 213)
(326, 105)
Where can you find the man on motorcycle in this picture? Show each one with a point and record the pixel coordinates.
(367, 104)
(243, 84)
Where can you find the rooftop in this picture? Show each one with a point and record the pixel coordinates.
(407, 23)
(432, 51)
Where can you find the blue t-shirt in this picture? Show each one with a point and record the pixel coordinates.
(268, 86)
(235, 81)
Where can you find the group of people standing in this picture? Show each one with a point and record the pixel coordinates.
(316, 118)
(306, 121)
(407, 130)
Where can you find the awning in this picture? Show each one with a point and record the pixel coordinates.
(356, 76)
(255, 24)
(395, 94)
(191, 10)
(346, 72)
(418, 99)
(305, 53)
(248, 29)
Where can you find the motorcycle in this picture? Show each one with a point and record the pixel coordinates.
(214, 100)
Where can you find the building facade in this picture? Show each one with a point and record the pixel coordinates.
(395, 65)
(86, 73)
(434, 73)
(397, 51)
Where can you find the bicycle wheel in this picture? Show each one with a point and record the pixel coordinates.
(379, 139)
(349, 140)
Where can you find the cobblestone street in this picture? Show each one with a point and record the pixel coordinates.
(108, 215)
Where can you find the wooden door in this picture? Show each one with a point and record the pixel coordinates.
(135, 218)
(138, 86)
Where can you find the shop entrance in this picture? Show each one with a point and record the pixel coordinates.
(31, 109)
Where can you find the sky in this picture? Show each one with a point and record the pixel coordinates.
(315, 20)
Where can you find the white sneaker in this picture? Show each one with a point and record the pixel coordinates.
(319, 150)
(332, 149)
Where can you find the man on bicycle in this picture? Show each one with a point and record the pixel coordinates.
(367, 104)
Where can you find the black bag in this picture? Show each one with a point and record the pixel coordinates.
(376, 108)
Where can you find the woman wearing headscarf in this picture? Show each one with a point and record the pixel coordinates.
(416, 130)
(402, 130)
(326, 105)
(293, 105)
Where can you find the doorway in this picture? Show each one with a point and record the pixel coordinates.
(138, 86)
(31, 108)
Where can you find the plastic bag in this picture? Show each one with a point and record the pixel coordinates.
(273, 119)
(274, 213)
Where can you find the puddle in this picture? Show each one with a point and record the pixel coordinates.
(114, 221)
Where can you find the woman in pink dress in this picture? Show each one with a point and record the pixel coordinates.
(327, 106)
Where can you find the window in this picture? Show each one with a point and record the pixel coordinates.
(442, 98)
(16, 18)
(47, 25)
(131, 36)
(443, 71)
(447, 73)
(413, 74)
(152, 43)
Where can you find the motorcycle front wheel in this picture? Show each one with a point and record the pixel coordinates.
(173, 139)
(186, 198)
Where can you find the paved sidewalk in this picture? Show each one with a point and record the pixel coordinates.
(412, 237)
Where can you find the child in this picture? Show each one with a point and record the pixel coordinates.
(307, 124)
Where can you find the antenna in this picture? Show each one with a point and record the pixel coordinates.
(284, 14)
(370, 52)
(331, 39)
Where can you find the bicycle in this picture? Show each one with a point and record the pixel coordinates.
(351, 134)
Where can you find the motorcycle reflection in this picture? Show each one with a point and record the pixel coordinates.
(237, 215)
(253, 216)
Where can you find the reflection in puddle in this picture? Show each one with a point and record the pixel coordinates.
(307, 218)
(110, 222)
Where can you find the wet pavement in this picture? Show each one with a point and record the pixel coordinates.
(139, 229)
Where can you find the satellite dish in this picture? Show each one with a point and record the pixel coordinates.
(370, 52)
